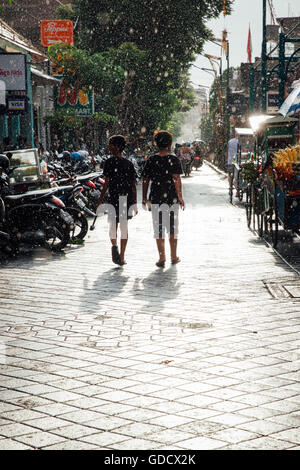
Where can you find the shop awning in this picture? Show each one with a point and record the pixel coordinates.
(43, 77)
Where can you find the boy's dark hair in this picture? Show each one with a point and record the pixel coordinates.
(119, 141)
(163, 139)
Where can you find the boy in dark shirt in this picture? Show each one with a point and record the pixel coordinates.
(120, 180)
(163, 170)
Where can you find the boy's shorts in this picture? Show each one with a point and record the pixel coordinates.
(165, 219)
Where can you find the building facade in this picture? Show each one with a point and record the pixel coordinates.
(26, 91)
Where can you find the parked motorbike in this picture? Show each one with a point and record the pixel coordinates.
(92, 184)
(77, 206)
(32, 218)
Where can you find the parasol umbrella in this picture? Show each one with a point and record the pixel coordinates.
(291, 105)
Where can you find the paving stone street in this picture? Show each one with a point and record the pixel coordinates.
(202, 355)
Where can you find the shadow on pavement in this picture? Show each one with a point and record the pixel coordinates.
(107, 286)
(30, 259)
(158, 288)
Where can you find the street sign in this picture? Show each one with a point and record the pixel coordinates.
(57, 32)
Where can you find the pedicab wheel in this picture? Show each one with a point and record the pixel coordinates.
(248, 206)
(231, 189)
(258, 210)
(266, 224)
(260, 225)
(274, 224)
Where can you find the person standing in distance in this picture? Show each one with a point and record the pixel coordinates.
(120, 181)
(231, 154)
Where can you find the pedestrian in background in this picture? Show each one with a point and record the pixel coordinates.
(231, 154)
(120, 181)
(163, 171)
(185, 154)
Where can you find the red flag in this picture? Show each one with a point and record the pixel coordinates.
(249, 47)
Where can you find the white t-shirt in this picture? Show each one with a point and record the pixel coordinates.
(232, 150)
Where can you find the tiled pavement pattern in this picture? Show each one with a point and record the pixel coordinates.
(196, 356)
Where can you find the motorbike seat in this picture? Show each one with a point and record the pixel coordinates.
(89, 176)
(30, 195)
(63, 189)
(63, 181)
(59, 190)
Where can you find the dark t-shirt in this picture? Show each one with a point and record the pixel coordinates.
(160, 171)
(121, 174)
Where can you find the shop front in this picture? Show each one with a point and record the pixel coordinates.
(25, 92)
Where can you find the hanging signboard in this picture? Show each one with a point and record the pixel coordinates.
(13, 71)
(71, 98)
(272, 102)
(57, 32)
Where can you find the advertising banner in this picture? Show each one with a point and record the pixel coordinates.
(13, 71)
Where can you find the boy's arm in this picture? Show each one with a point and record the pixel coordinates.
(146, 182)
(134, 190)
(178, 187)
(103, 190)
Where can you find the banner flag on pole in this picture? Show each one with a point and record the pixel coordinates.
(249, 46)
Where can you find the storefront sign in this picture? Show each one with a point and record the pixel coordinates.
(13, 71)
(272, 102)
(71, 98)
(57, 32)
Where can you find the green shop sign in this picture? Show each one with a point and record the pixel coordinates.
(72, 98)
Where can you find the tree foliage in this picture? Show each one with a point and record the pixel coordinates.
(66, 12)
(160, 38)
(84, 70)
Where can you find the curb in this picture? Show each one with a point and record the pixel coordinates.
(215, 168)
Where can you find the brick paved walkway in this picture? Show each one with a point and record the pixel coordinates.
(197, 356)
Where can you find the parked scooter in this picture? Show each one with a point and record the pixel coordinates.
(76, 206)
(32, 218)
(92, 184)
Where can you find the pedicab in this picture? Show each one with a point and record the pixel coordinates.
(279, 180)
(244, 154)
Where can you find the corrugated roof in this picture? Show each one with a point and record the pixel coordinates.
(15, 40)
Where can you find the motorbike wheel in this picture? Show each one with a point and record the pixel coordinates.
(80, 224)
(57, 235)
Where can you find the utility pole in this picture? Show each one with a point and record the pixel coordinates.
(264, 60)
(282, 76)
(227, 96)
